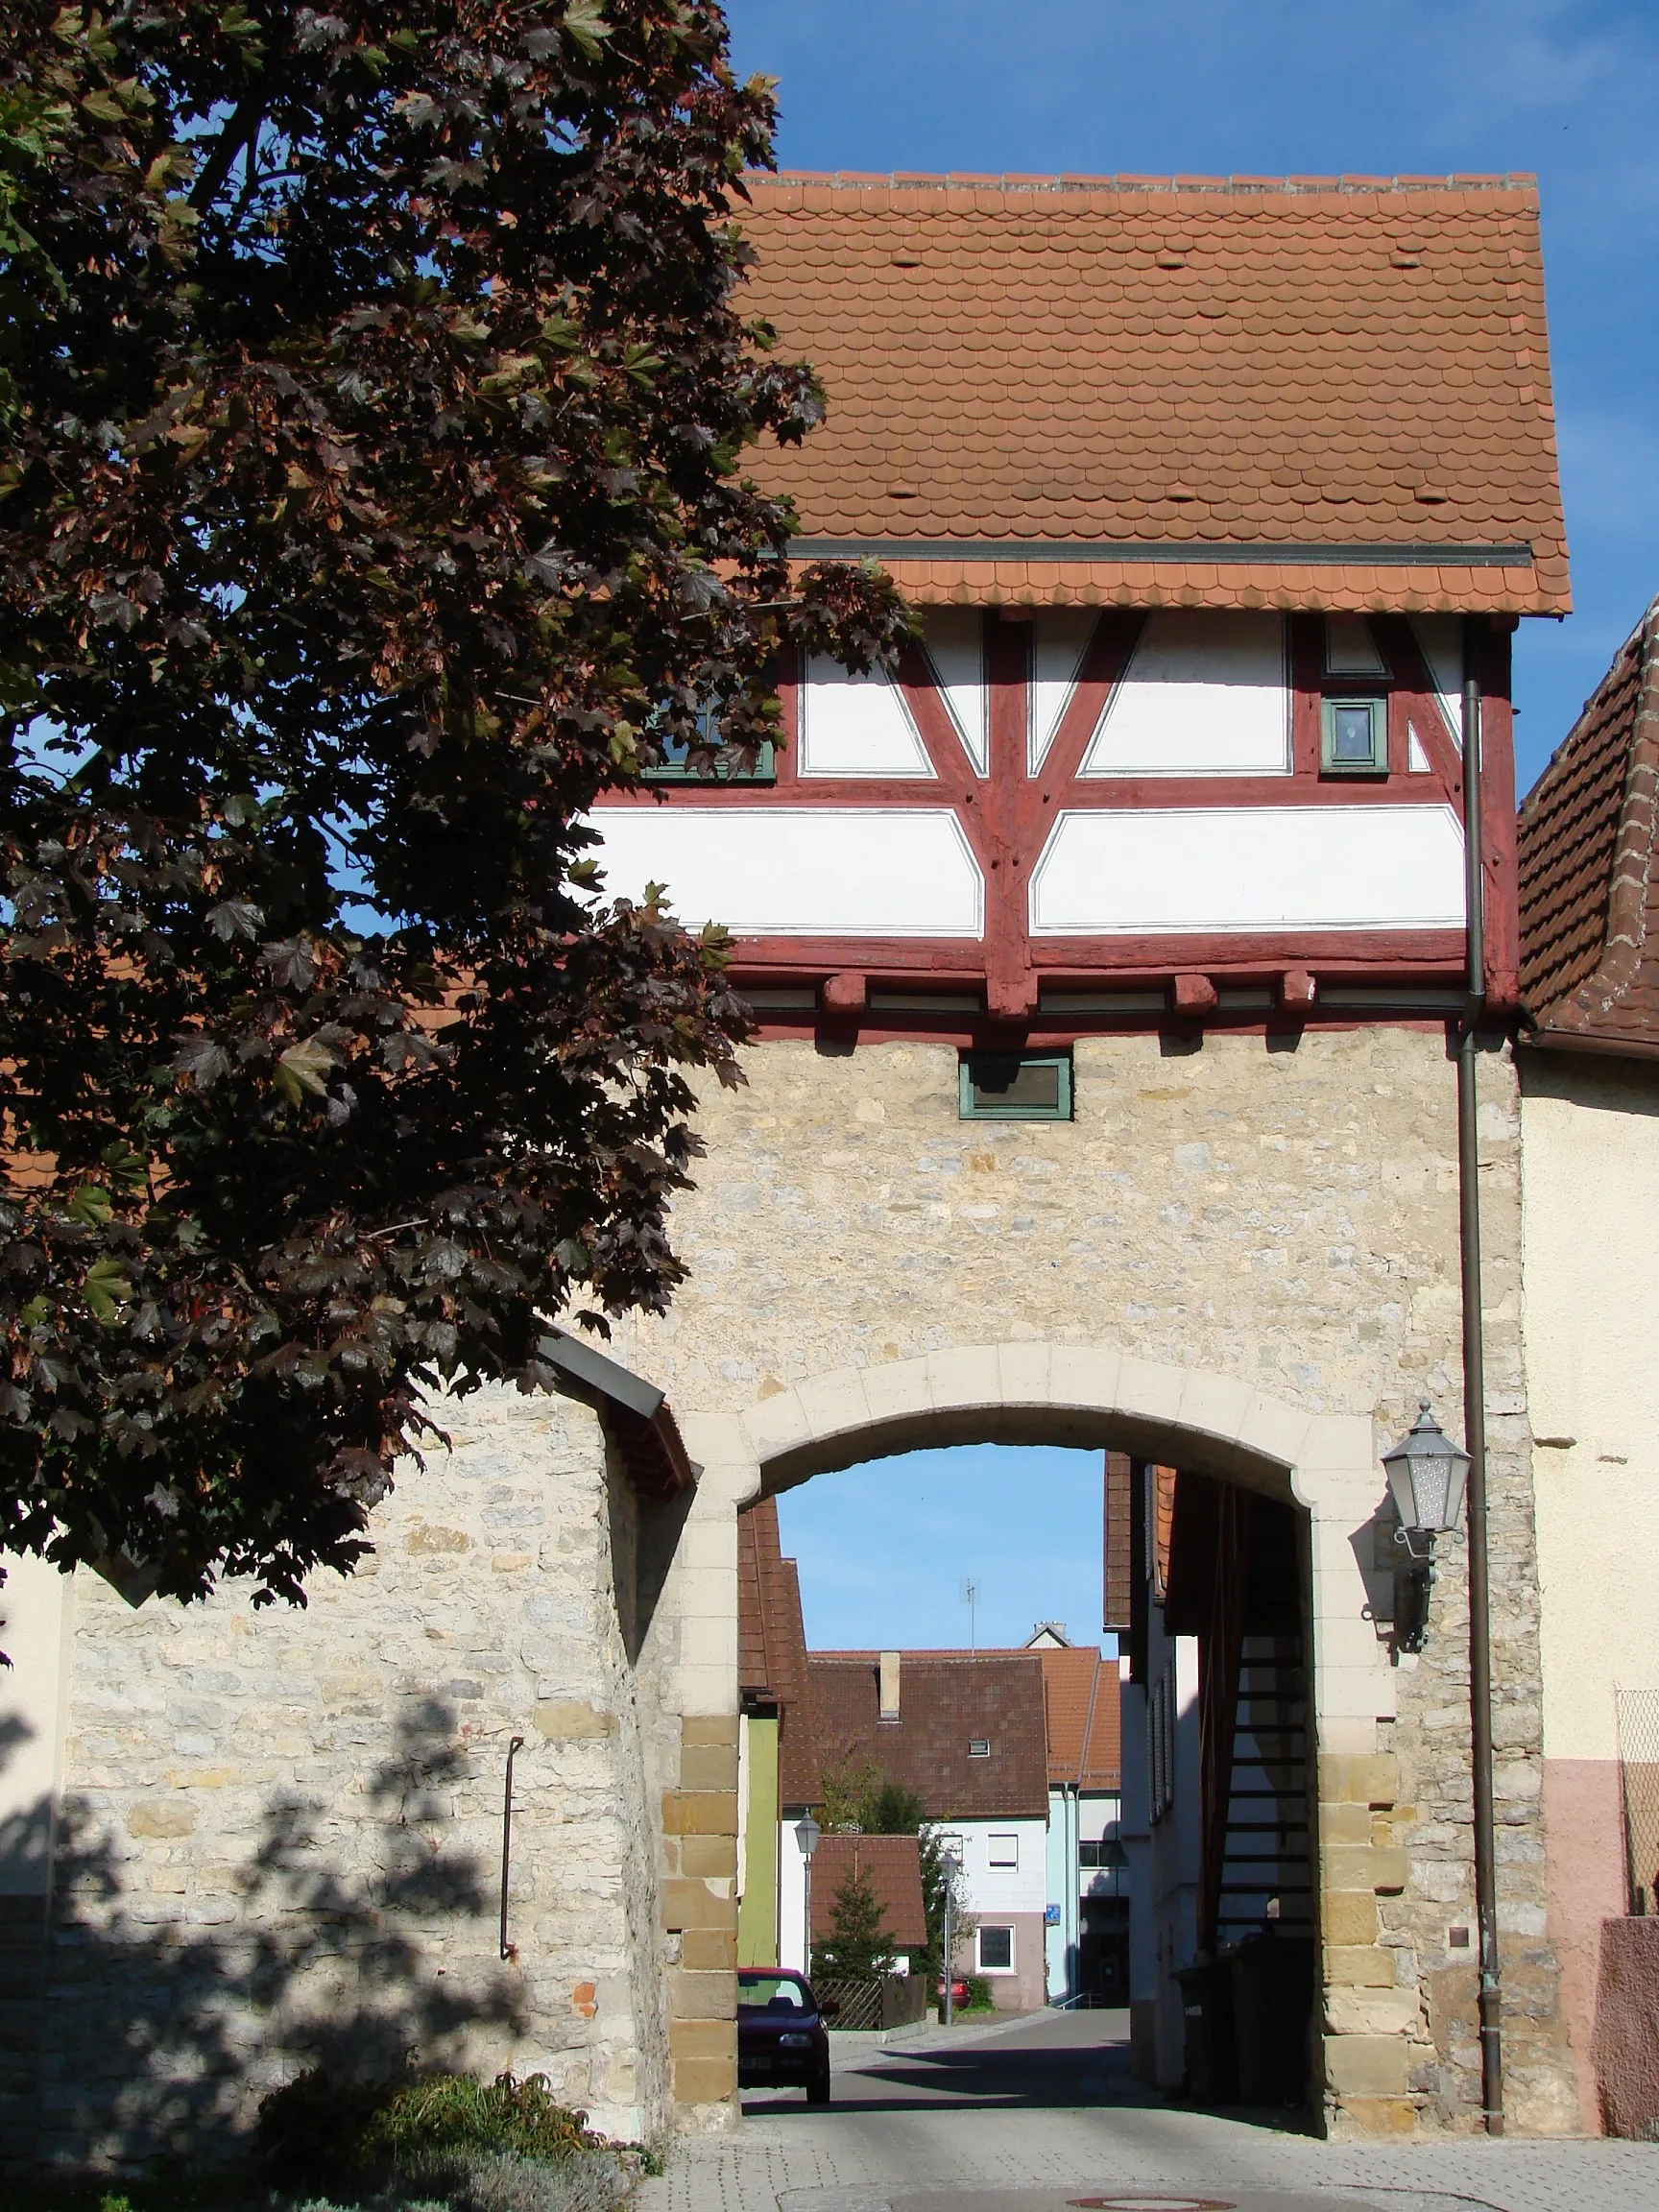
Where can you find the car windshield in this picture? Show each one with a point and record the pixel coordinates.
(771, 1992)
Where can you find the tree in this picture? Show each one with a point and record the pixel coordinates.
(859, 1943)
(375, 389)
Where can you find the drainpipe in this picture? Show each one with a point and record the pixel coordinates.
(1475, 1401)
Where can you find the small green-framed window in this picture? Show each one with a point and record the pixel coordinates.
(1355, 737)
(676, 767)
(1016, 1087)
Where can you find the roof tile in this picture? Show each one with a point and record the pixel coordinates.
(1036, 323)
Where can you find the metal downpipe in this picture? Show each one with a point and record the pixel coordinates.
(1475, 1403)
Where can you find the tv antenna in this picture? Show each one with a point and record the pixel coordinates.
(970, 1598)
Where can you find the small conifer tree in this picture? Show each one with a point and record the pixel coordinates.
(861, 1943)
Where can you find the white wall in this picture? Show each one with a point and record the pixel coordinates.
(1117, 872)
(993, 1890)
(1204, 694)
(770, 871)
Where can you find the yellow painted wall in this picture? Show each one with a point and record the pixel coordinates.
(1590, 1184)
(758, 1911)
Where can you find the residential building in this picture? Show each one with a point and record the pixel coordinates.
(1589, 858)
(965, 1732)
(1088, 1912)
(777, 1770)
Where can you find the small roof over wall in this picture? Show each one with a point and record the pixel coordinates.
(891, 1864)
(1588, 843)
(1318, 392)
(772, 1650)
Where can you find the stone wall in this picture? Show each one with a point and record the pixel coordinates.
(1278, 1212)
(281, 1831)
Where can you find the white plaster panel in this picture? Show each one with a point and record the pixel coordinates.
(768, 871)
(955, 640)
(1416, 755)
(856, 725)
(1440, 637)
(1204, 694)
(1225, 869)
(1350, 648)
(1060, 640)
(35, 1622)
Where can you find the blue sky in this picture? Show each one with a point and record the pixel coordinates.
(885, 1548)
(1568, 89)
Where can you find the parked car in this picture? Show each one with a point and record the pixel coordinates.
(958, 1989)
(782, 2037)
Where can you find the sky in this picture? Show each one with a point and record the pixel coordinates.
(1565, 89)
(885, 1548)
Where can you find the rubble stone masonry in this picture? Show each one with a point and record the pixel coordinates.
(281, 1832)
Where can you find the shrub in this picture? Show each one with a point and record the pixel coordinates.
(979, 1998)
(319, 2130)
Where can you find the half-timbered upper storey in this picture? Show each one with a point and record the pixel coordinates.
(1209, 497)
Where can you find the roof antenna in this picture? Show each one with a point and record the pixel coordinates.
(970, 1598)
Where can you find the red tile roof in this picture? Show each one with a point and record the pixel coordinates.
(946, 1701)
(1588, 868)
(772, 1650)
(1316, 393)
(1081, 1699)
(892, 1865)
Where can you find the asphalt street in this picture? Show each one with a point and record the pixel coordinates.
(1041, 2115)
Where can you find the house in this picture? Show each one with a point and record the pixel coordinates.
(965, 1731)
(777, 1769)
(1104, 954)
(1087, 1935)
(1588, 1127)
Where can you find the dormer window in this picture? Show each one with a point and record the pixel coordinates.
(978, 1748)
(1355, 737)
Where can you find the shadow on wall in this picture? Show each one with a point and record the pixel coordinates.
(176, 1991)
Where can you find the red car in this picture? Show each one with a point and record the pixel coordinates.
(958, 1989)
(782, 2039)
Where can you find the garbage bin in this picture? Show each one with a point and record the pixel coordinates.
(1272, 1978)
(1206, 2013)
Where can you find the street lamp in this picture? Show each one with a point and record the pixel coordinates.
(1427, 1478)
(806, 1834)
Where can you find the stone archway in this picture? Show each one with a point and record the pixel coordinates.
(1030, 1392)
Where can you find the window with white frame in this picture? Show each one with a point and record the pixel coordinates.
(1003, 1850)
(995, 1950)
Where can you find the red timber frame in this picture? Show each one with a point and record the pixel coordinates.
(1007, 814)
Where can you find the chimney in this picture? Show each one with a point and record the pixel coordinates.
(889, 1685)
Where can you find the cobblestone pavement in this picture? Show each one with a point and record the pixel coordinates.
(1031, 2116)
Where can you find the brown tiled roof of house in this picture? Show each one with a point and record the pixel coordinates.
(947, 1700)
(1081, 1695)
(772, 1650)
(1589, 871)
(892, 1865)
(1311, 392)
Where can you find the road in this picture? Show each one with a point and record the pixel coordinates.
(1039, 2114)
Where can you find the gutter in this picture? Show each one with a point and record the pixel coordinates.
(1474, 1398)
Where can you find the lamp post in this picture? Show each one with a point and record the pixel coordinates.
(1428, 1475)
(806, 1834)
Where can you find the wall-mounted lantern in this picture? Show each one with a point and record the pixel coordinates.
(1427, 1478)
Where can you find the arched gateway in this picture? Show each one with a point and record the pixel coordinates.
(1104, 954)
